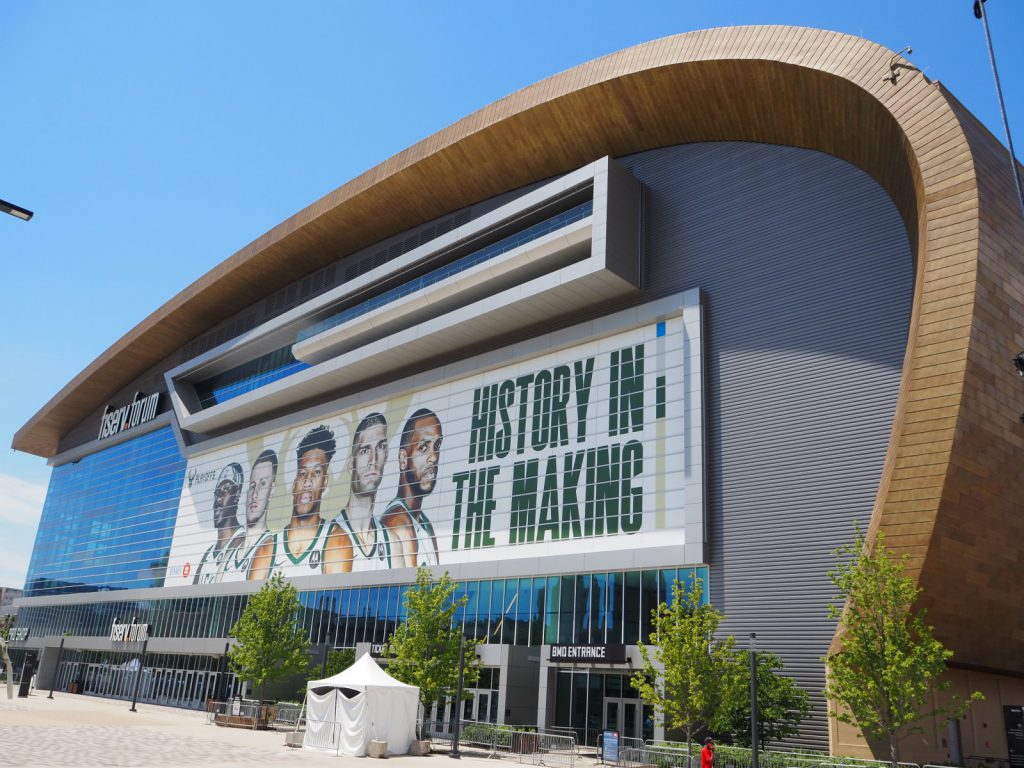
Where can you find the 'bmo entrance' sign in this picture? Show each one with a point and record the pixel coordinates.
(583, 654)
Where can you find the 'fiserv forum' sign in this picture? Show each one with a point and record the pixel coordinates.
(128, 633)
(140, 410)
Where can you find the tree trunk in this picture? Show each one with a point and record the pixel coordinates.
(894, 750)
(9, 668)
(689, 746)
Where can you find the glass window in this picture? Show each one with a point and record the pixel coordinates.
(345, 620)
(553, 600)
(598, 607)
(631, 608)
(614, 607)
(362, 601)
(483, 612)
(461, 264)
(108, 519)
(566, 608)
(472, 593)
(648, 602)
(668, 579)
(459, 618)
(585, 619)
(497, 611)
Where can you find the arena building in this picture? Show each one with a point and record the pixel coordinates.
(687, 311)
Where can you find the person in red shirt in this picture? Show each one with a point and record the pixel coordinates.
(707, 755)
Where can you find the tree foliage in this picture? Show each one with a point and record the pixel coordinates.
(271, 645)
(889, 662)
(6, 622)
(338, 660)
(685, 675)
(781, 703)
(424, 649)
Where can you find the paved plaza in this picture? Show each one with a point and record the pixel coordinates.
(72, 730)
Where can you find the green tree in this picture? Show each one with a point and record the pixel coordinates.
(424, 649)
(6, 622)
(889, 662)
(685, 675)
(271, 645)
(339, 660)
(781, 704)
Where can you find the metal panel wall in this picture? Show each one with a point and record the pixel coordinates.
(808, 280)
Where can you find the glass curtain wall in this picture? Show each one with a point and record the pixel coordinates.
(605, 607)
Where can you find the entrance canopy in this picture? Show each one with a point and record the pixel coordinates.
(360, 704)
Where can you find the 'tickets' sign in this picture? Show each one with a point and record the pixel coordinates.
(595, 447)
(18, 634)
(599, 654)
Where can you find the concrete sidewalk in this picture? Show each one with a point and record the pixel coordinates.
(72, 730)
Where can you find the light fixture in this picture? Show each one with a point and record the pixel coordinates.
(15, 210)
(1018, 363)
(895, 66)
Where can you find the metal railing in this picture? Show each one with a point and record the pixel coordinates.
(675, 754)
(533, 746)
(784, 759)
(625, 742)
(288, 716)
(239, 714)
(662, 757)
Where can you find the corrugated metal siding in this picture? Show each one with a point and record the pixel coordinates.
(807, 273)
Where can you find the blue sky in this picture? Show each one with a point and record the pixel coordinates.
(153, 140)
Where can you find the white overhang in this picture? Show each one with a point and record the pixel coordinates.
(586, 261)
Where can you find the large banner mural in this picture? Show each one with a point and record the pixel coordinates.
(591, 448)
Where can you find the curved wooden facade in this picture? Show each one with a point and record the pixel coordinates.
(950, 493)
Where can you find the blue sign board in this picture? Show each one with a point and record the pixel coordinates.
(610, 746)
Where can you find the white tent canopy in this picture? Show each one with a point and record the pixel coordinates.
(360, 704)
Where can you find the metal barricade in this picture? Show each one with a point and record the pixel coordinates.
(238, 714)
(438, 731)
(625, 742)
(676, 754)
(287, 716)
(660, 756)
(789, 759)
(546, 749)
(525, 744)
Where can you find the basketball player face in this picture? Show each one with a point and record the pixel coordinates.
(369, 455)
(310, 482)
(225, 504)
(261, 485)
(418, 460)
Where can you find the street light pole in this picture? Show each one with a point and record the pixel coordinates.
(56, 670)
(457, 706)
(979, 13)
(15, 210)
(754, 737)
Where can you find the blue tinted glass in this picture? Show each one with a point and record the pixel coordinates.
(108, 519)
(459, 265)
(248, 376)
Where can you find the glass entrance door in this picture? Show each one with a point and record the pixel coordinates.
(624, 716)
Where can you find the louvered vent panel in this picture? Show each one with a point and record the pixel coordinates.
(807, 275)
